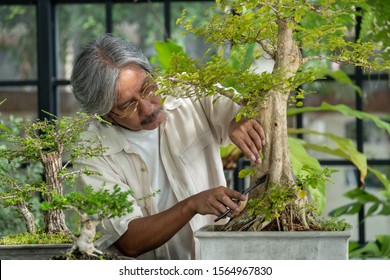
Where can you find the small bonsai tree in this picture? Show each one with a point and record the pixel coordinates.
(302, 38)
(55, 144)
(92, 206)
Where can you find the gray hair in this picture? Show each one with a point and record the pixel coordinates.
(96, 71)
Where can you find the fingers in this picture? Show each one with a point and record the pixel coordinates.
(259, 130)
(231, 212)
(230, 200)
(229, 203)
(249, 149)
(216, 201)
(249, 136)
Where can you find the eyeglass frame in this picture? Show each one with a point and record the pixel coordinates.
(134, 103)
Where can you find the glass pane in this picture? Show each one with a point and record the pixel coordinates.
(327, 121)
(140, 23)
(345, 180)
(18, 53)
(20, 101)
(377, 96)
(77, 24)
(377, 102)
(68, 103)
(377, 225)
(193, 45)
(330, 92)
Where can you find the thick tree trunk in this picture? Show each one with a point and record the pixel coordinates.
(54, 220)
(276, 162)
(274, 117)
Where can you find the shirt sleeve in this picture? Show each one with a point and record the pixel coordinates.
(112, 228)
(220, 112)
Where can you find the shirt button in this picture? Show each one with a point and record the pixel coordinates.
(143, 169)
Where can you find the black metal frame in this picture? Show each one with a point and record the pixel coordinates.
(48, 83)
(47, 80)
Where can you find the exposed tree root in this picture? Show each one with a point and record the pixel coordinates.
(84, 243)
(296, 216)
(77, 255)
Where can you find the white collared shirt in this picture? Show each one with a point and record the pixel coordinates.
(189, 151)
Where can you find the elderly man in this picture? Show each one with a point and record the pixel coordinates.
(171, 147)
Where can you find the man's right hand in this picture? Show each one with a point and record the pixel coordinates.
(216, 201)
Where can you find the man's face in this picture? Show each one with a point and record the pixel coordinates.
(137, 107)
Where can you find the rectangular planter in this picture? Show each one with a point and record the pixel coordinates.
(33, 251)
(272, 245)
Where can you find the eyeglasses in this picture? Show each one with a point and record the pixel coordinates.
(147, 93)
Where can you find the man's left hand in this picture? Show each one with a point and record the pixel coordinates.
(249, 137)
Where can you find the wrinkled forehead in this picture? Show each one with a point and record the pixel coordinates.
(131, 81)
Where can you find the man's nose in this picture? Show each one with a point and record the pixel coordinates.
(145, 107)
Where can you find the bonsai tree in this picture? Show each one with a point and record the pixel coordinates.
(55, 143)
(10, 221)
(301, 38)
(46, 142)
(91, 206)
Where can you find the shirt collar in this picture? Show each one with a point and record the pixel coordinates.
(113, 136)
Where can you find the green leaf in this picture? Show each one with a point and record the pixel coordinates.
(302, 193)
(372, 209)
(164, 52)
(344, 110)
(349, 209)
(361, 196)
(385, 210)
(353, 245)
(245, 172)
(381, 177)
(346, 149)
(3, 127)
(242, 58)
(299, 158)
(370, 250)
(227, 150)
(384, 241)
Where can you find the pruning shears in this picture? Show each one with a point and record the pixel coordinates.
(259, 181)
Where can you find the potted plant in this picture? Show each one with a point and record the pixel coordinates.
(54, 143)
(10, 219)
(92, 206)
(376, 205)
(299, 37)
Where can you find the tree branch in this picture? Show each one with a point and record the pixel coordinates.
(228, 92)
(266, 47)
(8, 196)
(314, 57)
(73, 173)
